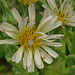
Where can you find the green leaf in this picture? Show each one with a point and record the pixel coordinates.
(73, 43)
(71, 70)
(71, 60)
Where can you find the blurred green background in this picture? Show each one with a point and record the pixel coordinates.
(63, 65)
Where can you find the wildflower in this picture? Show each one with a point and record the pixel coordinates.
(32, 40)
(28, 1)
(64, 11)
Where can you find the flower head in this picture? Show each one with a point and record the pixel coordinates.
(32, 40)
(64, 11)
(28, 1)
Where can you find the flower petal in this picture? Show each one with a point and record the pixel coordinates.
(10, 30)
(46, 57)
(31, 68)
(50, 27)
(25, 59)
(29, 58)
(30, 24)
(50, 22)
(37, 59)
(9, 27)
(22, 24)
(45, 21)
(50, 51)
(52, 4)
(70, 24)
(55, 36)
(62, 5)
(8, 41)
(16, 15)
(18, 55)
(41, 33)
(42, 37)
(54, 44)
(12, 34)
(31, 12)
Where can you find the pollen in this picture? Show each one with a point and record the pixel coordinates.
(61, 18)
(28, 35)
(28, 1)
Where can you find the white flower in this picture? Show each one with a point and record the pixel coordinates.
(32, 39)
(64, 11)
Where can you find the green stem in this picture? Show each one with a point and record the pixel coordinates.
(73, 43)
(67, 40)
(69, 44)
(63, 49)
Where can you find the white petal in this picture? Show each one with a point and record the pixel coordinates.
(10, 30)
(9, 27)
(42, 66)
(70, 24)
(46, 13)
(31, 12)
(51, 27)
(72, 18)
(50, 51)
(52, 4)
(49, 23)
(71, 14)
(30, 24)
(8, 41)
(46, 57)
(55, 36)
(44, 21)
(23, 24)
(29, 58)
(30, 52)
(54, 44)
(37, 59)
(25, 59)
(62, 6)
(31, 68)
(43, 42)
(12, 34)
(16, 15)
(41, 33)
(45, 36)
(18, 55)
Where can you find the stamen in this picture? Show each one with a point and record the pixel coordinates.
(28, 0)
(61, 18)
(28, 37)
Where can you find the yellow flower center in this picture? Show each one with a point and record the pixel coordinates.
(28, 1)
(28, 35)
(61, 18)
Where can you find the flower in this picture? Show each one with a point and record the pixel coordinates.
(28, 1)
(64, 11)
(33, 40)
